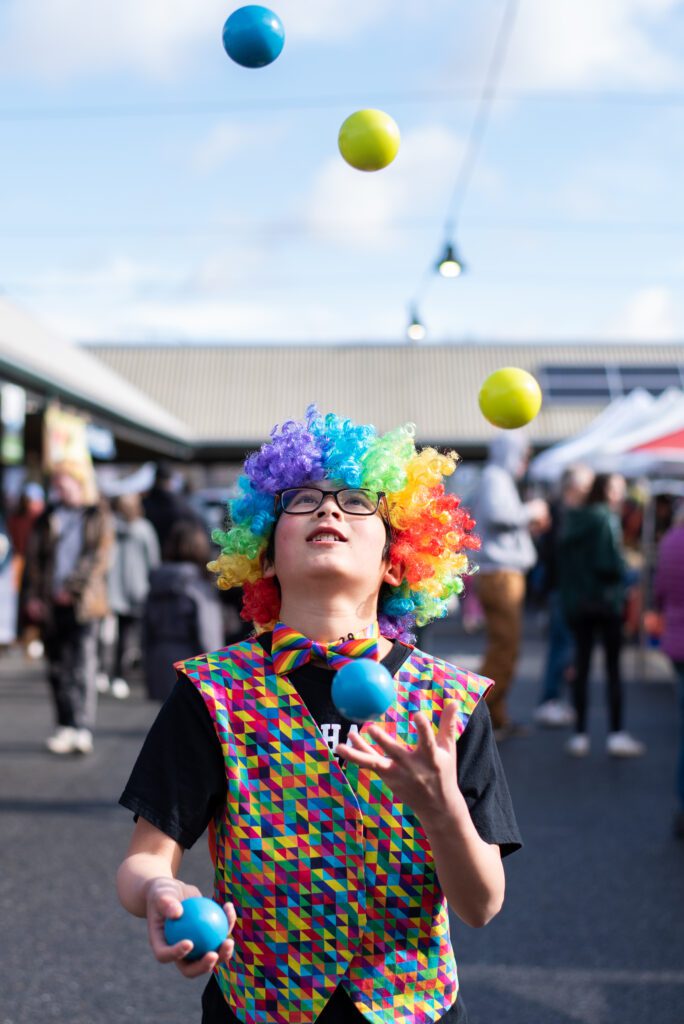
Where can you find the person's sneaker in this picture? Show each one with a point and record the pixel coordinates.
(621, 744)
(83, 741)
(102, 682)
(120, 689)
(63, 741)
(577, 745)
(35, 649)
(554, 714)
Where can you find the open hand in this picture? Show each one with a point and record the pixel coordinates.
(164, 897)
(422, 776)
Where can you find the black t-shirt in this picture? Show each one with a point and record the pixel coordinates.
(178, 784)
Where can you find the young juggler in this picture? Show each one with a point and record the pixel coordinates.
(337, 850)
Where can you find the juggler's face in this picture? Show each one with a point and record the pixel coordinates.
(329, 544)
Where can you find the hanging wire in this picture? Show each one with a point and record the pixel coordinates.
(476, 135)
(482, 114)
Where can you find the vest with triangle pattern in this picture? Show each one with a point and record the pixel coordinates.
(333, 882)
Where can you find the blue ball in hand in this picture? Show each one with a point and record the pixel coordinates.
(253, 36)
(362, 690)
(203, 922)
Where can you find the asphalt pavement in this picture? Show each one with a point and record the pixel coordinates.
(592, 930)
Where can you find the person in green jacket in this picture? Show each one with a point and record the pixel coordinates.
(592, 586)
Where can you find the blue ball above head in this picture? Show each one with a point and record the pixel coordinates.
(203, 921)
(362, 690)
(253, 36)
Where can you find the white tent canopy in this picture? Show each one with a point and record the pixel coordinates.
(609, 442)
(620, 417)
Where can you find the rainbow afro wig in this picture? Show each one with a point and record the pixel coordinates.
(430, 532)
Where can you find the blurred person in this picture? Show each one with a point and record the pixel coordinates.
(504, 522)
(669, 598)
(553, 711)
(183, 609)
(8, 592)
(136, 553)
(30, 506)
(164, 505)
(591, 572)
(67, 560)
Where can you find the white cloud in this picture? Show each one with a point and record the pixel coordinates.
(228, 138)
(119, 273)
(651, 314)
(354, 208)
(572, 44)
(61, 39)
(57, 39)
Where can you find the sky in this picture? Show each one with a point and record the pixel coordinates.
(151, 190)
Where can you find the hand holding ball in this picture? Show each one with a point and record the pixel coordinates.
(510, 398)
(253, 36)
(369, 140)
(203, 922)
(362, 690)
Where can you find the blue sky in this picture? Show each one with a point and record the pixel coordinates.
(152, 190)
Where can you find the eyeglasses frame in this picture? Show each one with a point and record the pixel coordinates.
(382, 501)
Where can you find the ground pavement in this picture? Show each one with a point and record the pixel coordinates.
(592, 930)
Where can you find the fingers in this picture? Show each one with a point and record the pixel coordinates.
(448, 726)
(359, 752)
(195, 968)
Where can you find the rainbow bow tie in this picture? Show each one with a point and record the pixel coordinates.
(291, 650)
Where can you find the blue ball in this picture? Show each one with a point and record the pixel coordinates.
(203, 922)
(253, 36)
(362, 690)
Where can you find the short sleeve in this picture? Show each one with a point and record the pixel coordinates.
(482, 781)
(178, 781)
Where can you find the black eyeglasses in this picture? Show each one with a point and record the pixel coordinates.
(355, 501)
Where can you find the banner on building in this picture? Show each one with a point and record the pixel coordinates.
(13, 417)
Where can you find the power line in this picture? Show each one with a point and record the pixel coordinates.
(273, 103)
(296, 228)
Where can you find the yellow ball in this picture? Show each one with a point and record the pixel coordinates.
(369, 140)
(510, 398)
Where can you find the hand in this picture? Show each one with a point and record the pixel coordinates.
(164, 896)
(422, 776)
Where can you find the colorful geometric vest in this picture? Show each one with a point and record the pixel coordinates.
(333, 882)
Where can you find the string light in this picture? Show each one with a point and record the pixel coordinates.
(450, 264)
(416, 328)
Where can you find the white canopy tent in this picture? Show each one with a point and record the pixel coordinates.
(622, 416)
(632, 453)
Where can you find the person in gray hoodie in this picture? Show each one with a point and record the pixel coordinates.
(136, 554)
(507, 553)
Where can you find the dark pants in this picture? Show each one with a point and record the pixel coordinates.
(560, 651)
(71, 652)
(587, 629)
(679, 669)
(128, 642)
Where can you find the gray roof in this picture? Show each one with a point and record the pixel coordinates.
(234, 394)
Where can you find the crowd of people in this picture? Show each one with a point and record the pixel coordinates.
(581, 556)
(104, 588)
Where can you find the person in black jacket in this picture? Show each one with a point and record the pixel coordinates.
(183, 610)
(591, 574)
(164, 506)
